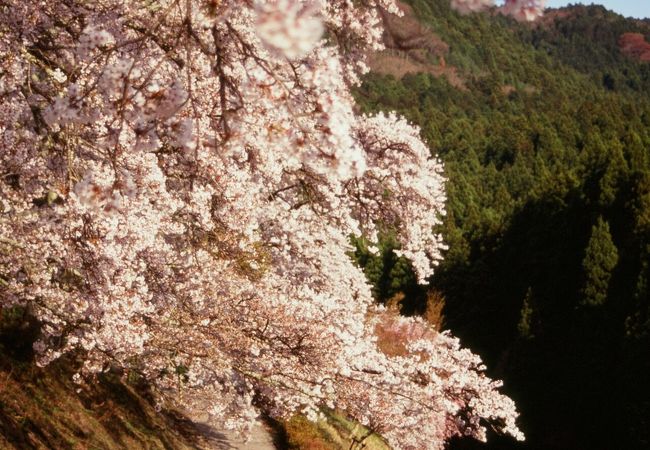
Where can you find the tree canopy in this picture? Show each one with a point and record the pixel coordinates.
(179, 181)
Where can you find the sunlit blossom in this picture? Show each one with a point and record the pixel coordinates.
(178, 190)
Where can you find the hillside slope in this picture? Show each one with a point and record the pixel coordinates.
(45, 409)
(546, 146)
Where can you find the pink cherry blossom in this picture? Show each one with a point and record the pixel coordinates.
(522, 10)
(469, 6)
(178, 185)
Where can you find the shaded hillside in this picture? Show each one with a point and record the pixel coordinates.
(44, 408)
(547, 152)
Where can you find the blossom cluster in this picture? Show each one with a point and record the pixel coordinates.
(522, 10)
(178, 185)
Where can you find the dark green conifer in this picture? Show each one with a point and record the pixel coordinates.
(600, 259)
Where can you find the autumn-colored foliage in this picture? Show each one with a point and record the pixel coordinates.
(635, 46)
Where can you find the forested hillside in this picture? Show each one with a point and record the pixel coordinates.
(544, 131)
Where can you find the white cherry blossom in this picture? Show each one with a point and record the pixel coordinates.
(178, 185)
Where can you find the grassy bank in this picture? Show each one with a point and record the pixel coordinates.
(44, 408)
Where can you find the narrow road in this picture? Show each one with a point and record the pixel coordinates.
(213, 439)
(208, 436)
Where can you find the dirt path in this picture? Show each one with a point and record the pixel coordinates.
(207, 436)
(213, 439)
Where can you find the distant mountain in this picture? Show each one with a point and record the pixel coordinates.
(596, 41)
(590, 39)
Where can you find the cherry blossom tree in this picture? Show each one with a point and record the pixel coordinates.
(179, 180)
(522, 10)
